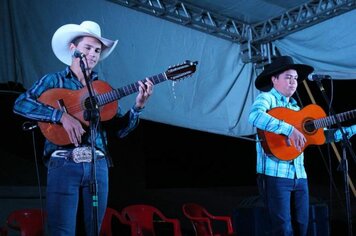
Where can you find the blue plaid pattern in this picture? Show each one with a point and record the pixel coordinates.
(27, 105)
(259, 118)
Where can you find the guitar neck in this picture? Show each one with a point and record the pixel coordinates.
(116, 94)
(331, 120)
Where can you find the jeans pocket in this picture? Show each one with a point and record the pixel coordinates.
(55, 163)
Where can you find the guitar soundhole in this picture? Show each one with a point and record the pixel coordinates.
(309, 126)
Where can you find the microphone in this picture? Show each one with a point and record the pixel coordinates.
(318, 77)
(78, 54)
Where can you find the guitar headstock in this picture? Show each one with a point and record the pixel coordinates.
(182, 70)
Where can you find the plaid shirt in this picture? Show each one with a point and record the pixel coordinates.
(28, 106)
(259, 118)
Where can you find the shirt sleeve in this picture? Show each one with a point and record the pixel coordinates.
(131, 120)
(27, 104)
(335, 135)
(260, 119)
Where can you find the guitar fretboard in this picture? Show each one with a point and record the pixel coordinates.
(116, 94)
(331, 120)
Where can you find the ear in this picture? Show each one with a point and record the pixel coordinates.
(72, 48)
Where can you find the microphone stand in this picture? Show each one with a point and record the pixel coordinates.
(92, 115)
(343, 163)
(31, 126)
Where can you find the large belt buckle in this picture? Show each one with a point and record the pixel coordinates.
(81, 154)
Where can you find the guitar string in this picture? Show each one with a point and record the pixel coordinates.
(110, 96)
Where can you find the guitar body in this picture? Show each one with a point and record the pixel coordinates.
(278, 145)
(74, 102)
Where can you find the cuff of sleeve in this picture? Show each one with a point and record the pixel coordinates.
(136, 110)
(290, 131)
(57, 115)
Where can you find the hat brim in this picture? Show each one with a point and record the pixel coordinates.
(64, 36)
(263, 81)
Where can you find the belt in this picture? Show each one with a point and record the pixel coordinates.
(78, 155)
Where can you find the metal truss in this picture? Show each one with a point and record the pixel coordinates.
(255, 39)
(308, 14)
(190, 16)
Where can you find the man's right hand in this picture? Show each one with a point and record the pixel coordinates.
(298, 139)
(73, 127)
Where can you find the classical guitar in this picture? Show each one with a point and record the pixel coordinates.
(310, 121)
(75, 102)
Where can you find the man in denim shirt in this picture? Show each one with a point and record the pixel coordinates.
(68, 151)
(283, 183)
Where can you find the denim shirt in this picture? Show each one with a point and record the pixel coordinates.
(27, 105)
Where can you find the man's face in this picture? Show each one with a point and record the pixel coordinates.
(91, 48)
(286, 83)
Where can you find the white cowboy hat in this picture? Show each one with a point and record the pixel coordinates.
(65, 34)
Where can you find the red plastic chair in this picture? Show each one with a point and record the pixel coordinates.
(203, 221)
(109, 220)
(149, 220)
(29, 222)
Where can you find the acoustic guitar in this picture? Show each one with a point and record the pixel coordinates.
(310, 121)
(75, 102)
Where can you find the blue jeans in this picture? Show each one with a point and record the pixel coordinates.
(287, 202)
(66, 182)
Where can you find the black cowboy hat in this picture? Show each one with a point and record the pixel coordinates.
(279, 64)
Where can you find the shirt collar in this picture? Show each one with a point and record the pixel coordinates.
(283, 98)
(69, 74)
